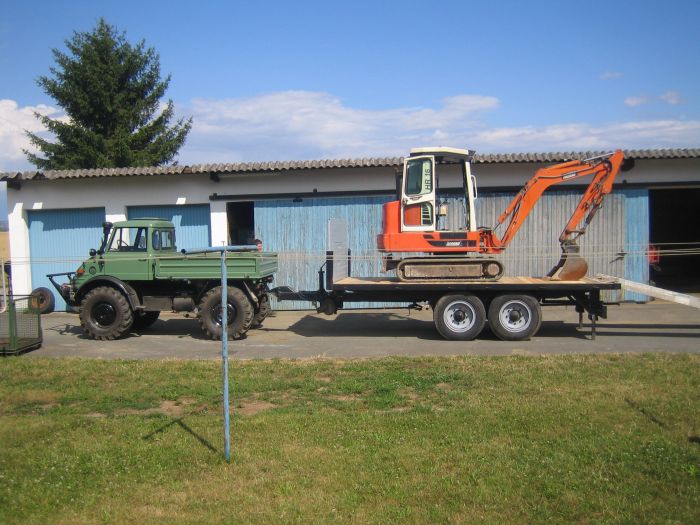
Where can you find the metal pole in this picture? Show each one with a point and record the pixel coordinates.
(224, 354)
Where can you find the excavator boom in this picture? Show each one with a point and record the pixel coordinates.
(604, 169)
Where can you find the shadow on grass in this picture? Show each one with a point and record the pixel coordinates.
(651, 417)
(181, 423)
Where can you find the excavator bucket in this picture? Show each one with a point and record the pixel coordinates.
(571, 266)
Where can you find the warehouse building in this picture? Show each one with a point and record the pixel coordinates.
(55, 217)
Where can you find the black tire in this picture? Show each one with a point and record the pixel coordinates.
(143, 320)
(105, 314)
(262, 311)
(240, 313)
(45, 298)
(459, 317)
(515, 317)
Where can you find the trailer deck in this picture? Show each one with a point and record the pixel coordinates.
(505, 284)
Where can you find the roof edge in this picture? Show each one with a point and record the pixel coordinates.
(380, 162)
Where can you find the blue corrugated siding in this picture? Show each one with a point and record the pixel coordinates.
(59, 240)
(298, 230)
(637, 239)
(192, 222)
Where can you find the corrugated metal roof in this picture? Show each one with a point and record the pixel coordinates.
(259, 167)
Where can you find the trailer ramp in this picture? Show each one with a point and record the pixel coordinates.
(654, 291)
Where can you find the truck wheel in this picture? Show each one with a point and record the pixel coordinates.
(459, 317)
(45, 299)
(515, 317)
(105, 314)
(262, 312)
(143, 320)
(240, 313)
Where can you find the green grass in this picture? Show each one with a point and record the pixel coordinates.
(586, 439)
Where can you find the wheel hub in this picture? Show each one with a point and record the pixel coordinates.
(515, 316)
(459, 316)
(104, 314)
(231, 314)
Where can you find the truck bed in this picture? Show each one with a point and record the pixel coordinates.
(239, 265)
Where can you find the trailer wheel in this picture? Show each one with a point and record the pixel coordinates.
(240, 313)
(515, 317)
(262, 312)
(459, 317)
(45, 299)
(143, 320)
(105, 314)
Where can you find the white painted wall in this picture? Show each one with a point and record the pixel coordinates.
(117, 193)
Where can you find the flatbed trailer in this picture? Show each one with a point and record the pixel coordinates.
(511, 306)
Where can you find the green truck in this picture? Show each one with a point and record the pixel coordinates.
(137, 272)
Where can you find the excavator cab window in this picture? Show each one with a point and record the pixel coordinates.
(418, 194)
(419, 177)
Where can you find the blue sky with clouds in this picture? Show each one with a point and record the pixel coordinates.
(283, 80)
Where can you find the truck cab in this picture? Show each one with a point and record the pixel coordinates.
(128, 249)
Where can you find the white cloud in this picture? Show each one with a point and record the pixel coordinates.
(672, 97)
(609, 75)
(636, 101)
(303, 125)
(285, 124)
(299, 125)
(567, 137)
(14, 120)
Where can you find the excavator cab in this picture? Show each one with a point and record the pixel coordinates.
(415, 222)
(420, 207)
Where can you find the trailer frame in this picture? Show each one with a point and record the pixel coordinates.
(522, 294)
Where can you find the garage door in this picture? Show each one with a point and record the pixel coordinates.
(59, 240)
(191, 222)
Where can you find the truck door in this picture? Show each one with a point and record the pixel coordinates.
(418, 194)
(128, 254)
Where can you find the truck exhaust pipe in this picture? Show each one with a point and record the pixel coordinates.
(571, 266)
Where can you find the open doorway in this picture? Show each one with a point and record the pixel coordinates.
(674, 220)
(241, 222)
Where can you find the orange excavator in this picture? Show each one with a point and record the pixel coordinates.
(413, 223)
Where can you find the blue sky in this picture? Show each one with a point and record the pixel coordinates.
(323, 79)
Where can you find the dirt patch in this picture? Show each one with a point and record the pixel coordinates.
(395, 410)
(170, 408)
(409, 394)
(345, 398)
(43, 397)
(324, 379)
(444, 386)
(253, 406)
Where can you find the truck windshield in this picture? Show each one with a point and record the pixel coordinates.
(128, 239)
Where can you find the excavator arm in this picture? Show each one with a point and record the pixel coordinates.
(604, 169)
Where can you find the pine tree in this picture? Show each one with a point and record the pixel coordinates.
(110, 91)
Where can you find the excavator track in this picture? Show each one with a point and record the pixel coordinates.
(448, 269)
